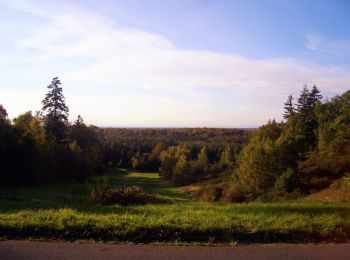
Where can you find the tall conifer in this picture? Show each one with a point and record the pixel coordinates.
(56, 111)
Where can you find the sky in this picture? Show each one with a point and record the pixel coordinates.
(172, 63)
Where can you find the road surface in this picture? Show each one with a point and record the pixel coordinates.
(13, 249)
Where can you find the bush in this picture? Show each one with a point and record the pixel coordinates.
(123, 196)
(208, 194)
(233, 193)
(286, 182)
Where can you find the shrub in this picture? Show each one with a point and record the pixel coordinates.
(123, 196)
(233, 193)
(208, 194)
(286, 182)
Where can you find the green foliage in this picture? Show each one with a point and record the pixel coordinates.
(30, 126)
(203, 157)
(121, 145)
(175, 166)
(307, 152)
(46, 148)
(334, 124)
(139, 162)
(182, 171)
(258, 164)
(331, 159)
(286, 182)
(227, 157)
(289, 108)
(200, 166)
(56, 119)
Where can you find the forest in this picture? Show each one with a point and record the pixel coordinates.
(78, 182)
(304, 153)
(45, 147)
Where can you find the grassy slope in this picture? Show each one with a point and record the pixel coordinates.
(60, 211)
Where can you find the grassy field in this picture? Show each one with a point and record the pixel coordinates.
(62, 211)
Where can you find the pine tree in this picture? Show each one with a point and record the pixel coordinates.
(182, 171)
(3, 113)
(57, 112)
(79, 121)
(3, 116)
(303, 105)
(203, 157)
(226, 157)
(288, 107)
(314, 96)
(306, 121)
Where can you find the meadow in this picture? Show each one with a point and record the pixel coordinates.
(62, 211)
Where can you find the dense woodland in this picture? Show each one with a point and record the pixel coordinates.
(303, 153)
(45, 147)
(203, 151)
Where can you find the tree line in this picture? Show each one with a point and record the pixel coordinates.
(303, 154)
(181, 155)
(45, 147)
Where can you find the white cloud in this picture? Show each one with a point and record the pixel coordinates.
(125, 56)
(111, 55)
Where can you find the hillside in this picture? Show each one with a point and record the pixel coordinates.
(339, 191)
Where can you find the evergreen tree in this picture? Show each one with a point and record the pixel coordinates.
(203, 157)
(303, 105)
(314, 96)
(182, 171)
(3, 113)
(258, 166)
(86, 137)
(168, 162)
(80, 133)
(288, 107)
(79, 121)
(226, 157)
(57, 111)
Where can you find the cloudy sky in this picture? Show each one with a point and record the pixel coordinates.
(177, 63)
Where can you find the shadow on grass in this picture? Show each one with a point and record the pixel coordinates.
(75, 195)
(173, 234)
(287, 208)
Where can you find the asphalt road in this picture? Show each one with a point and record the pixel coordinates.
(13, 249)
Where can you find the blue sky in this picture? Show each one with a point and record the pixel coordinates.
(172, 63)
